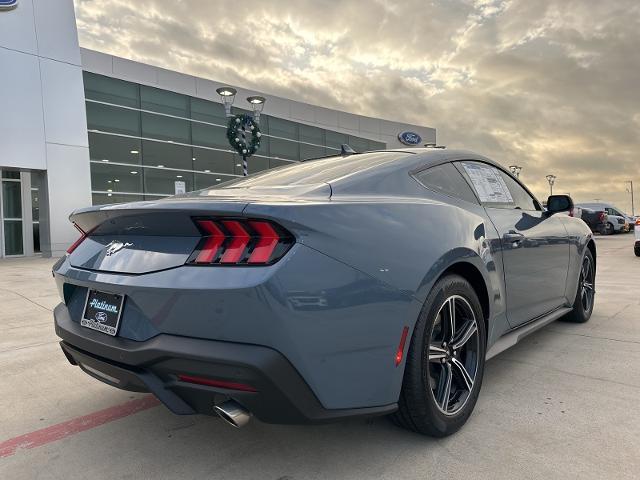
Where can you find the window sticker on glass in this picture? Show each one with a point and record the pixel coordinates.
(488, 183)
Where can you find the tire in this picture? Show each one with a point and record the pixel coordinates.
(608, 229)
(636, 250)
(581, 313)
(427, 363)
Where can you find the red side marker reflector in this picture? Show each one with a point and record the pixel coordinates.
(209, 382)
(266, 245)
(212, 244)
(403, 340)
(75, 244)
(239, 241)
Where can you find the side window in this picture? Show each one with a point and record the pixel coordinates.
(521, 197)
(611, 211)
(447, 180)
(496, 188)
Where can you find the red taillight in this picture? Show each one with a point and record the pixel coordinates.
(266, 244)
(209, 382)
(212, 242)
(232, 241)
(400, 351)
(239, 242)
(75, 244)
(601, 216)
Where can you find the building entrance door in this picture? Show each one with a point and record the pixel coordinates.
(19, 213)
(11, 225)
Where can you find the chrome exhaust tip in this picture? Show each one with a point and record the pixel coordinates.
(233, 413)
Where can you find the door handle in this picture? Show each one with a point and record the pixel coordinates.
(513, 237)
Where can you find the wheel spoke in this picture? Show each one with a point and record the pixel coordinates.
(586, 270)
(460, 368)
(470, 328)
(436, 353)
(444, 387)
(451, 318)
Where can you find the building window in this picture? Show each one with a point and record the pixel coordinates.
(162, 101)
(113, 119)
(111, 90)
(113, 148)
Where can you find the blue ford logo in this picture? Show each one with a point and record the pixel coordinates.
(409, 138)
(8, 4)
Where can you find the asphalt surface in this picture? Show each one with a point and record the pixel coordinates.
(561, 404)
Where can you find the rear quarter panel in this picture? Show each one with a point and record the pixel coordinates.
(406, 243)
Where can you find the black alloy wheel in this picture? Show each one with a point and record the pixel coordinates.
(453, 355)
(586, 284)
(586, 292)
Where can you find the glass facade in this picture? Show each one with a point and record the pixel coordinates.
(142, 140)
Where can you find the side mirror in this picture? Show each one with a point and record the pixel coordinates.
(559, 203)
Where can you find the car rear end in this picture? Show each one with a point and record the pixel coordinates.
(201, 303)
(597, 220)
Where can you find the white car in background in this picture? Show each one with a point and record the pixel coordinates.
(617, 221)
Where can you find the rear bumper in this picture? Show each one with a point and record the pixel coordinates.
(282, 395)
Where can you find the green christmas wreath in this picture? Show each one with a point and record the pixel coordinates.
(244, 134)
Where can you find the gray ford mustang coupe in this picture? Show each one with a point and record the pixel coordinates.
(366, 284)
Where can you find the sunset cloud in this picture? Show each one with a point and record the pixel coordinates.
(549, 85)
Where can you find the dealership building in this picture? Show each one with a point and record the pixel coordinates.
(80, 127)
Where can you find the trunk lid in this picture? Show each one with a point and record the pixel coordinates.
(144, 237)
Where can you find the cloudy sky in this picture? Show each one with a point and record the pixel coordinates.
(552, 85)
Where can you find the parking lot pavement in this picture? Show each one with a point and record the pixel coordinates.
(561, 404)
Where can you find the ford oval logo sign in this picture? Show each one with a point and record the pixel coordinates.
(8, 4)
(410, 138)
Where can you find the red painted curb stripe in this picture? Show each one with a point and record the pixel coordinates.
(76, 425)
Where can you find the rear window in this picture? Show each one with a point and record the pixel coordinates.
(314, 171)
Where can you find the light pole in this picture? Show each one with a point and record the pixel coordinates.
(243, 131)
(551, 179)
(630, 190)
(515, 169)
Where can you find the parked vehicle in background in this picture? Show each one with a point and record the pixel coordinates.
(636, 246)
(617, 221)
(597, 220)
